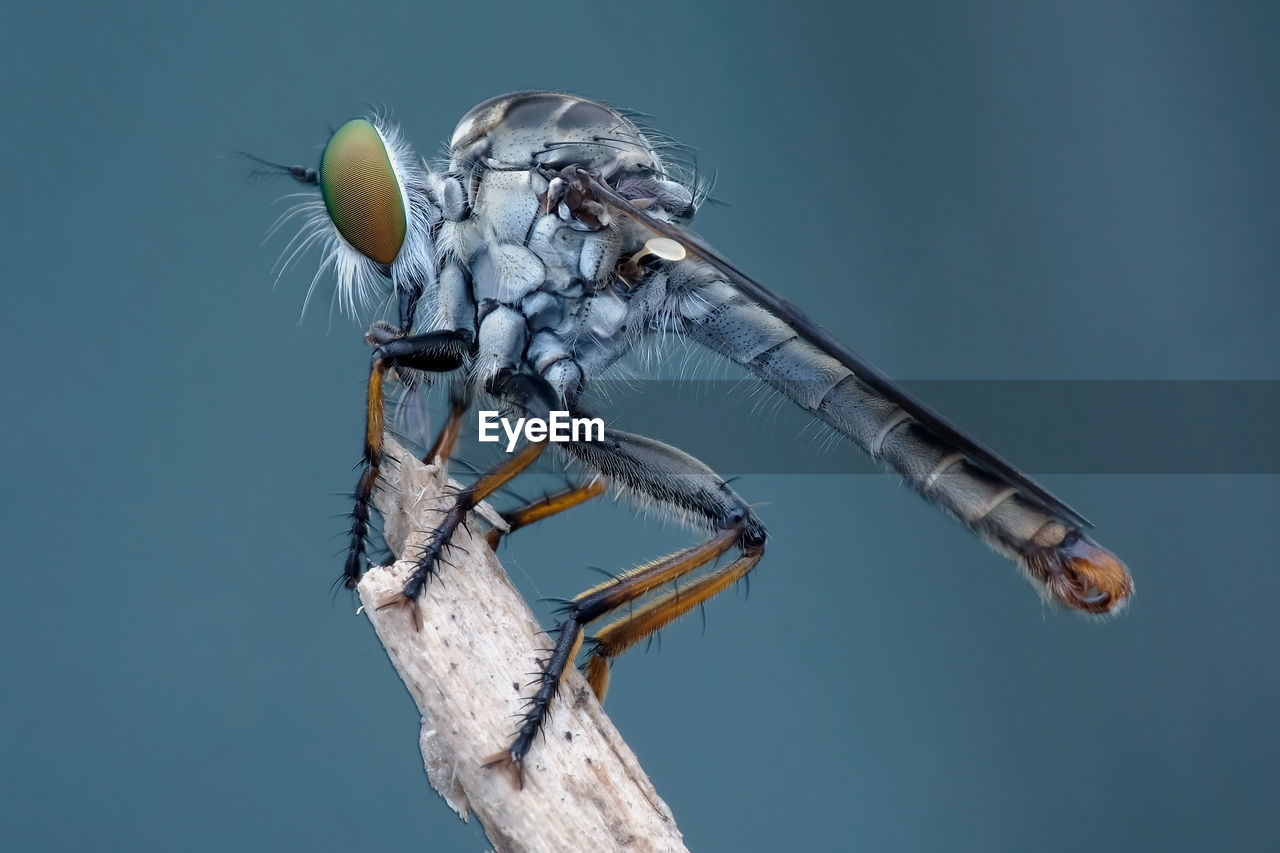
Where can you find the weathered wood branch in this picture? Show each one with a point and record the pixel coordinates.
(468, 671)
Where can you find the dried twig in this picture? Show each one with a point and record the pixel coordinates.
(468, 671)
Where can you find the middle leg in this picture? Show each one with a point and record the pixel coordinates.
(447, 439)
(545, 507)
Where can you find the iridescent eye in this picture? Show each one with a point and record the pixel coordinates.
(361, 191)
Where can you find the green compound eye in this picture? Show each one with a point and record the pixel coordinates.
(361, 192)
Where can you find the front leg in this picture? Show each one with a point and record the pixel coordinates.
(435, 352)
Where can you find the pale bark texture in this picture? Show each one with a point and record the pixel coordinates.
(468, 670)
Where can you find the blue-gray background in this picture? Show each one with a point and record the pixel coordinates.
(963, 190)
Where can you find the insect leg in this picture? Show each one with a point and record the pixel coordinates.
(616, 637)
(586, 608)
(545, 508)
(447, 438)
(434, 352)
(532, 395)
(654, 473)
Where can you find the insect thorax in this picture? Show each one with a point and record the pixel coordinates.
(528, 129)
(544, 286)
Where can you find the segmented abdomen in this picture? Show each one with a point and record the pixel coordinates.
(1059, 558)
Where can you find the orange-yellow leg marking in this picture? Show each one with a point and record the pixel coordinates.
(434, 351)
(373, 453)
(590, 606)
(447, 439)
(616, 637)
(544, 508)
(641, 581)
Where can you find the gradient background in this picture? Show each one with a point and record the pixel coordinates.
(1083, 190)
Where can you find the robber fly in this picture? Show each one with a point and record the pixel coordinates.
(552, 243)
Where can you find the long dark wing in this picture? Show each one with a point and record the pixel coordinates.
(868, 374)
